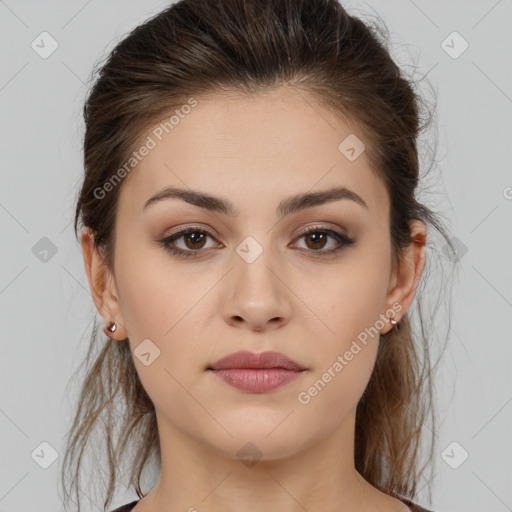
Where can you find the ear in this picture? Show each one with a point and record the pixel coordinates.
(102, 285)
(405, 278)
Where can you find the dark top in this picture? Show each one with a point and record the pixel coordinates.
(410, 504)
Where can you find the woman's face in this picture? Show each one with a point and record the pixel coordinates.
(252, 281)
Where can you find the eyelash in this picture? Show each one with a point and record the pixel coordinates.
(166, 242)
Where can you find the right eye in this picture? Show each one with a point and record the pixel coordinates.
(196, 236)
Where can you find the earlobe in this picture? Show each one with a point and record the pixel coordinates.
(102, 284)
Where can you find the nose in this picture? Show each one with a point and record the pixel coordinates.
(256, 296)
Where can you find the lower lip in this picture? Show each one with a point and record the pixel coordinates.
(257, 380)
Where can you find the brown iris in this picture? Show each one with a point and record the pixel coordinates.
(197, 238)
(319, 238)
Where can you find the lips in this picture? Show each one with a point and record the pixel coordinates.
(252, 360)
(257, 372)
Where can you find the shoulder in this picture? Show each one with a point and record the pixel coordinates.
(127, 507)
(413, 507)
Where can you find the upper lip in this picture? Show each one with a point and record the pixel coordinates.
(246, 359)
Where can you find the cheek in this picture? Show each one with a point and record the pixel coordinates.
(153, 295)
(160, 303)
(351, 299)
(342, 371)
(349, 308)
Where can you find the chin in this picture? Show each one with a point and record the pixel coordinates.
(259, 442)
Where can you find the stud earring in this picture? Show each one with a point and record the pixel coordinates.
(110, 329)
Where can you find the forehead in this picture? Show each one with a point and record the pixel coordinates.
(276, 143)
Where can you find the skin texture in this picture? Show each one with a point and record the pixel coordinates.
(255, 152)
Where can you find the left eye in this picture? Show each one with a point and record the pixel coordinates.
(318, 237)
(315, 239)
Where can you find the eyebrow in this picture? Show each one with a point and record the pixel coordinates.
(290, 205)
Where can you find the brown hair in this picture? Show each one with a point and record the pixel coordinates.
(199, 47)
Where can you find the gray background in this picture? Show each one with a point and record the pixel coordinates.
(46, 310)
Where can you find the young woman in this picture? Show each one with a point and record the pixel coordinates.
(253, 242)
